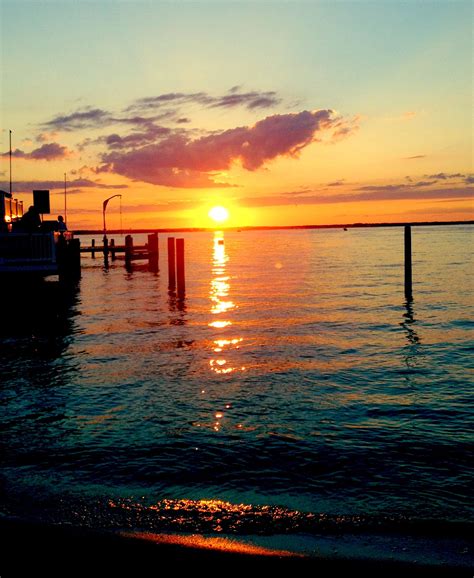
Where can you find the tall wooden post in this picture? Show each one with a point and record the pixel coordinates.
(408, 267)
(171, 264)
(74, 256)
(180, 267)
(106, 252)
(128, 250)
(153, 252)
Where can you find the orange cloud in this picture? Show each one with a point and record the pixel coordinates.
(179, 161)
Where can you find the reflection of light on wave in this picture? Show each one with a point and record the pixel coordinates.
(220, 324)
(234, 545)
(218, 294)
(221, 343)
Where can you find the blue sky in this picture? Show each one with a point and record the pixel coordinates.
(403, 70)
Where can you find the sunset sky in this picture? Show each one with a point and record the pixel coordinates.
(285, 113)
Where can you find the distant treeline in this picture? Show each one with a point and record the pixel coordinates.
(271, 228)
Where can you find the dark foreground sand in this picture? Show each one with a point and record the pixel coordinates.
(29, 549)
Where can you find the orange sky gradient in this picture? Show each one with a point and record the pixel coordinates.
(318, 114)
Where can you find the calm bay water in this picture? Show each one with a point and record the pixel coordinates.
(293, 388)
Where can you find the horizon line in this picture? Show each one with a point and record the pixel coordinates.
(269, 227)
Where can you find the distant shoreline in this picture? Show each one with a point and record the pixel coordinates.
(271, 228)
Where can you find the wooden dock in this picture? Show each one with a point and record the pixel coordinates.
(148, 252)
(130, 252)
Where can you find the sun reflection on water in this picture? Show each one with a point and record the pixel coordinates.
(221, 305)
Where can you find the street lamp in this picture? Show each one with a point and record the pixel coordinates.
(104, 207)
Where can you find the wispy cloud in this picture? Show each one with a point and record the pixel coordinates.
(233, 98)
(86, 118)
(46, 152)
(378, 194)
(445, 176)
(149, 140)
(414, 157)
(397, 186)
(136, 139)
(299, 192)
(180, 161)
(28, 186)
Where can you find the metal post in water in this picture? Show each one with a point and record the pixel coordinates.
(408, 265)
(10, 164)
(171, 264)
(180, 267)
(65, 200)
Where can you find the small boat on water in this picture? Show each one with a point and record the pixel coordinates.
(38, 250)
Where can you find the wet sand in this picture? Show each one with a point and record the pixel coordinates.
(33, 549)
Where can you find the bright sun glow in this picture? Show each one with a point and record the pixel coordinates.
(219, 214)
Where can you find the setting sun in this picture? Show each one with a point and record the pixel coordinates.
(219, 214)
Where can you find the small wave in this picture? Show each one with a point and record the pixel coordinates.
(221, 517)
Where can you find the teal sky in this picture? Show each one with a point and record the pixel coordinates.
(344, 54)
(376, 61)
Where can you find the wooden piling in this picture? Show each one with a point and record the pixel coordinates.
(171, 264)
(74, 257)
(112, 248)
(153, 252)
(180, 266)
(408, 264)
(106, 251)
(128, 249)
(93, 249)
(69, 258)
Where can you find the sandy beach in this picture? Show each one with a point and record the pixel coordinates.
(50, 550)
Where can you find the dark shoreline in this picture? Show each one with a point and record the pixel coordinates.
(272, 228)
(60, 550)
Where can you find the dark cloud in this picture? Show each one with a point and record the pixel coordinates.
(383, 187)
(445, 176)
(136, 139)
(87, 118)
(422, 183)
(47, 152)
(468, 179)
(414, 157)
(170, 98)
(251, 100)
(181, 162)
(336, 183)
(28, 186)
(397, 187)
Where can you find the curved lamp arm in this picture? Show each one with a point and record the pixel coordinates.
(104, 207)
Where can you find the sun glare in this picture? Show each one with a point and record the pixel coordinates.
(219, 214)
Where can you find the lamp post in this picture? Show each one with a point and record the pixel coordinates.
(65, 200)
(104, 207)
